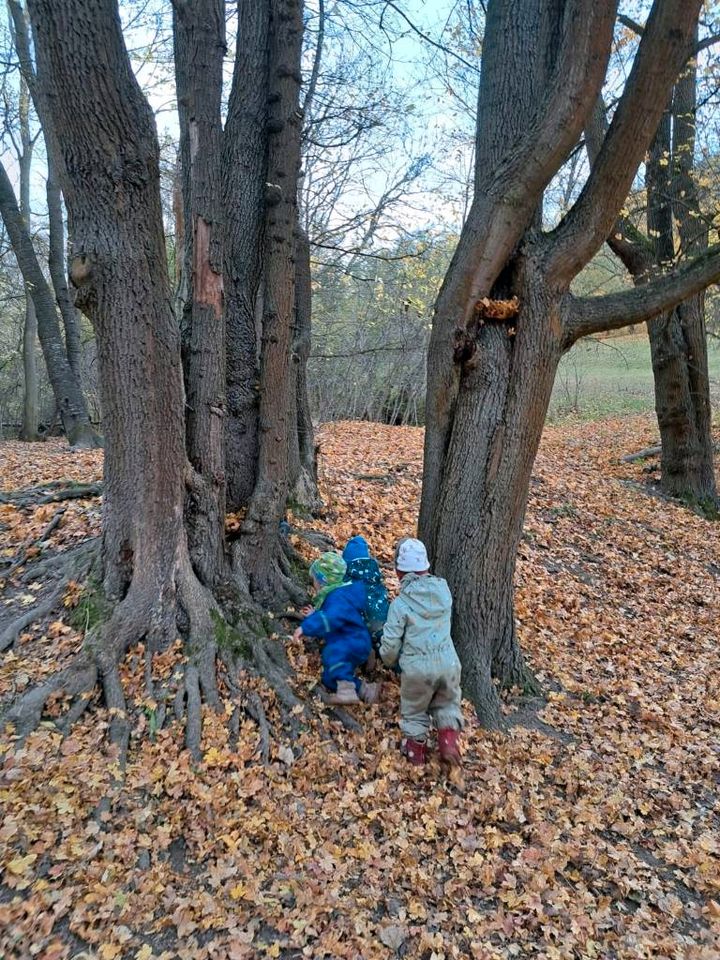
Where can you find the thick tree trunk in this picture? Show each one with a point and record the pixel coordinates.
(199, 32)
(678, 346)
(504, 394)
(68, 396)
(303, 467)
(269, 499)
(245, 189)
(119, 269)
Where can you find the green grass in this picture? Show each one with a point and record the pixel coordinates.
(607, 378)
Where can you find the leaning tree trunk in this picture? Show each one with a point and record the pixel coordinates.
(245, 191)
(489, 382)
(199, 32)
(56, 229)
(68, 396)
(260, 535)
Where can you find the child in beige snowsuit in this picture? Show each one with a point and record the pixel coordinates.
(417, 636)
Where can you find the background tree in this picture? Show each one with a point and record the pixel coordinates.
(676, 228)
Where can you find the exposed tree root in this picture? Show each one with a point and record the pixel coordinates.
(10, 634)
(52, 492)
(21, 556)
(74, 563)
(155, 618)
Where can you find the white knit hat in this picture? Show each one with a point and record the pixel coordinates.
(412, 557)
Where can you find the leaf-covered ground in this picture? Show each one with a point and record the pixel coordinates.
(590, 830)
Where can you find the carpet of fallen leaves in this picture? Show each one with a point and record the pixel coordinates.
(589, 830)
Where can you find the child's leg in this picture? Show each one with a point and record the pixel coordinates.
(445, 705)
(446, 712)
(416, 693)
(339, 664)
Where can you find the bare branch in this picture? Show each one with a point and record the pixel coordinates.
(662, 52)
(588, 315)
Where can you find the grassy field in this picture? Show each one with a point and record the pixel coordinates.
(613, 377)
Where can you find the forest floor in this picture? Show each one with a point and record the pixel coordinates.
(589, 830)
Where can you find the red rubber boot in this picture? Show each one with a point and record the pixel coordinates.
(415, 751)
(448, 746)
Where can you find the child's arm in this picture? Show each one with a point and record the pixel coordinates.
(329, 617)
(393, 631)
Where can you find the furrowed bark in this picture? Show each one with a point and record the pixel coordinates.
(678, 338)
(119, 268)
(245, 189)
(199, 32)
(260, 535)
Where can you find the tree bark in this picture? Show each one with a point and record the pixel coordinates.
(508, 192)
(199, 33)
(269, 499)
(245, 188)
(678, 339)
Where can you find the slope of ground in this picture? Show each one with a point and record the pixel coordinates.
(591, 831)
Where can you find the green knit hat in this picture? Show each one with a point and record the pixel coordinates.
(329, 569)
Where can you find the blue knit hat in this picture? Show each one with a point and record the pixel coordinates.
(356, 549)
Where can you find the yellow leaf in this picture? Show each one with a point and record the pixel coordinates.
(108, 951)
(274, 950)
(238, 892)
(144, 953)
(19, 865)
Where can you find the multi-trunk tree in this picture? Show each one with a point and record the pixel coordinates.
(164, 557)
(490, 376)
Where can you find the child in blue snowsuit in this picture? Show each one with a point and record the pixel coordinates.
(362, 568)
(339, 622)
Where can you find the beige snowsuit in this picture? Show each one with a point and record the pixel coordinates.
(417, 636)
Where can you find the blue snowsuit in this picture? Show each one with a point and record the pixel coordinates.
(364, 569)
(340, 624)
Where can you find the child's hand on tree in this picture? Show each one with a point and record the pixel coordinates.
(298, 635)
(306, 610)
